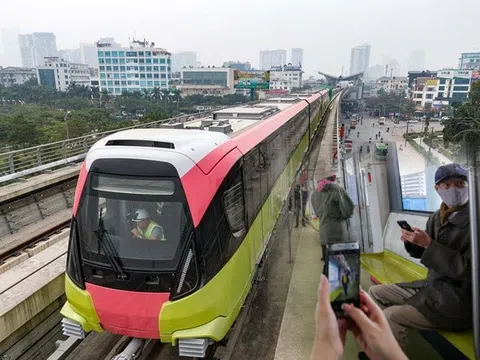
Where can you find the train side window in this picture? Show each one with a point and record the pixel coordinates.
(233, 201)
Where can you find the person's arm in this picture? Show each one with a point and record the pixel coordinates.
(447, 261)
(346, 204)
(317, 203)
(157, 233)
(415, 251)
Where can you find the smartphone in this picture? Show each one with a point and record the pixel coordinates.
(405, 225)
(343, 272)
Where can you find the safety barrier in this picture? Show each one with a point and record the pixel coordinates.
(24, 162)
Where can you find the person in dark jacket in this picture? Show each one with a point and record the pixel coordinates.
(444, 299)
(333, 207)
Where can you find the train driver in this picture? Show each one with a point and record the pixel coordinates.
(145, 227)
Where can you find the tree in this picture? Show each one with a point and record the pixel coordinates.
(427, 107)
(466, 121)
(409, 107)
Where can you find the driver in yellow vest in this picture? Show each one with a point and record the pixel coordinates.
(146, 228)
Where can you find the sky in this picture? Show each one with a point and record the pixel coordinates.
(222, 30)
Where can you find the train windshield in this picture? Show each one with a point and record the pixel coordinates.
(137, 222)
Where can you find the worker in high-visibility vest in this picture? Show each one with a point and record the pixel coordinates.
(146, 228)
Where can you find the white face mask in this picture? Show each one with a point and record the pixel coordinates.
(454, 196)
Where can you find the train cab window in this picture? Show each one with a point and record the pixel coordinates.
(233, 202)
(143, 222)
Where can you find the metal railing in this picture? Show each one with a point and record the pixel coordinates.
(24, 162)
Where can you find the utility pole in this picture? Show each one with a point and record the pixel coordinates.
(430, 146)
(406, 136)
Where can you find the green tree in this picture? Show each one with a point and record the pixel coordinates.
(466, 121)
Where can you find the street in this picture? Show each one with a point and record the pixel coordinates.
(410, 161)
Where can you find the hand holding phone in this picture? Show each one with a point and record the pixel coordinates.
(343, 272)
(405, 225)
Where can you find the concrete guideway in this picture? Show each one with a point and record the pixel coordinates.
(34, 184)
(30, 287)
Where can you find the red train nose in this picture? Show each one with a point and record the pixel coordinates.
(128, 313)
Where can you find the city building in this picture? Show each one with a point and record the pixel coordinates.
(183, 59)
(286, 77)
(424, 91)
(271, 58)
(394, 84)
(11, 50)
(375, 72)
(71, 55)
(16, 75)
(416, 61)
(297, 57)
(238, 65)
(138, 67)
(453, 85)
(469, 61)
(359, 59)
(88, 55)
(207, 81)
(59, 73)
(35, 47)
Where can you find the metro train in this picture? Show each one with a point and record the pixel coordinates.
(216, 198)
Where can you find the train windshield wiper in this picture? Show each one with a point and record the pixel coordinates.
(106, 244)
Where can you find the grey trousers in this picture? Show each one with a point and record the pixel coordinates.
(392, 299)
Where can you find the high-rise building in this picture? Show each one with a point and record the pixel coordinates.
(11, 50)
(297, 57)
(416, 61)
(238, 65)
(183, 59)
(37, 46)
(359, 59)
(269, 58)
(469, 61)
(393, 68)
(138, 67)
(71, 55)
(88, 54)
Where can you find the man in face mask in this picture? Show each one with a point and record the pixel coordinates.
(444, 299)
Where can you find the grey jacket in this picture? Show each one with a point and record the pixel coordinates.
(445, 296)
(333, 207)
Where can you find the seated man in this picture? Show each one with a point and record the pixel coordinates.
(146, 228)
(444, 299)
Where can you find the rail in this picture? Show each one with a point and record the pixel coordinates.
(24, 162)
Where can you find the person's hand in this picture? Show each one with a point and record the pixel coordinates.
(372, 331)
(417, 237)
(136, 233)
(330, 333)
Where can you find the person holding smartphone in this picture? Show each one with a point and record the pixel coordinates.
(367, 323)
(444, 299)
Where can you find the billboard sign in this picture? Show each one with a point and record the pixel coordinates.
(253, 79)
(476, 75)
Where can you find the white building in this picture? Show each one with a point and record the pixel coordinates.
(270, 58)
(359, 59)
(394, 84)
(183, 59)
(35, 47)
(469, 61)
(16, 75)
(59, 73)
(142, 66)
(285, 77)
(297, 57)
(453, 84)
(207, 81)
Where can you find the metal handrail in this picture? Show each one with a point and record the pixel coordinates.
(19, 163)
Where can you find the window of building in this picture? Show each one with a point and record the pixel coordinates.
(103, 83)
(131, 53)
(148, 68)
(143, 83)
(100, 53)
(110, 83)
(156, 76)
(108, 61)
(103, 75)
(459, 81)
(114, 61)
(162, 61)
(121, 53)
(148, 53)
(142, 76)
(162, 68)
(141, 53)
(163, 76)
(148, 61)
(122, 68)
(443, 81)
(461, 88)
(116, 76)
(107, 53)
(429, 96)
(123, 76)
(108, 68)
(141, 61)
(156, 83)
(115, 68)
(121, 61)
(114, 53)
(100, 61)
(164, 83)
(155, 61)
(149, 76)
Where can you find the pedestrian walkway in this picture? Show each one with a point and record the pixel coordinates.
(442, 158)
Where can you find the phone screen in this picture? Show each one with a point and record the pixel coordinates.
(344, 278)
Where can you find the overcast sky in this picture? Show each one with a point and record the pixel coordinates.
(221, 30)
